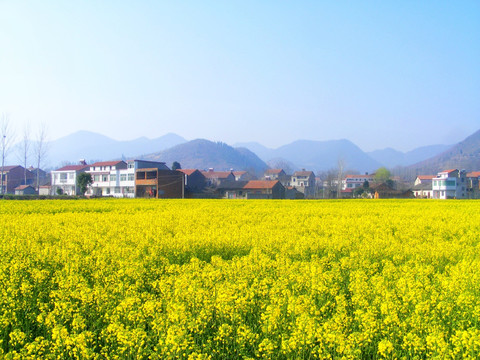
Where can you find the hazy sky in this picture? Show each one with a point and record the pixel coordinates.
(380, 73)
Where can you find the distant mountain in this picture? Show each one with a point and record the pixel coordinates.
(92, 146)
(391, 158)
(204, 154)
(464, 155)
(318, 155)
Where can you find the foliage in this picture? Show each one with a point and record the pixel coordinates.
(176, 165)
(59, 191)
(382, 175)
(83, 181)
(206, 279)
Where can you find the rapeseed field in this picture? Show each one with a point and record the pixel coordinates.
(209, 279)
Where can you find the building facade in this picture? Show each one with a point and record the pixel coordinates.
(304, 181)
(64, 180)
(450, 184)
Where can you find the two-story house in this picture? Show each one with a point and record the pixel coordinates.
(304, 181)
(450, 184)
(13, 176)
(217, 178)
(64, 180)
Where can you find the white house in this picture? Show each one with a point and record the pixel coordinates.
(64, 180)
(352, 182)
(117, 178)
(450, 184)
(304, 181)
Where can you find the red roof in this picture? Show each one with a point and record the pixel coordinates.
(448, 171)
(236, 173)
(273, 171)
(73, 168)
(23, 187)
(107, 163)
(187, 171)
(260, 184)
(474, 174)
(216, 174)
(426, 177)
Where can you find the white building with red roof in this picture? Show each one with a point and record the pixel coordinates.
(64, 180)
(450, 184)
(351, 182)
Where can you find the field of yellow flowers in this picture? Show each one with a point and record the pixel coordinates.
(210, 279)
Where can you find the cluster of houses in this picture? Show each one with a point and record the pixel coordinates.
(152, 179)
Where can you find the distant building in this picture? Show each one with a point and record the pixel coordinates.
(25, 190)
(304, 181)
(110, 179)
(424, 179)
(473, 185)
(14, 176)
(243, 176)
(351, 182)
(160, 184)
(423, 190)
(450, 184)
(217, 178)
(194, 180)
(253, 189)
(64, 180)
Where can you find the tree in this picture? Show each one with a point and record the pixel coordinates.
(84, 180)
(40, 149)
(340, 176)
(6, 139)
(24, 150)
(176, 165)
(366, 184)
(382, 175)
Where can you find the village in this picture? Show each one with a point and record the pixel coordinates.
(153, 179)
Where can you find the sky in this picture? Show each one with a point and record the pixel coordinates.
(399, 74)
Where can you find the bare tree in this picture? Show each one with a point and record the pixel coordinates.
(24, 150)
(40, 149)
(340, 175)
(6, 140)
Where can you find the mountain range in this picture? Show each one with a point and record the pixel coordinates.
(308, 154)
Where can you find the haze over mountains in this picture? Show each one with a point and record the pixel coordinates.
(308, 154)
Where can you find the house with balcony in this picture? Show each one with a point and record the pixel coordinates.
(450, 184)
(64, 179)
(160, 184)
(304, 181)
(108, 179)
(423, 179)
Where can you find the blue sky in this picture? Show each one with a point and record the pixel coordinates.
(381, 74)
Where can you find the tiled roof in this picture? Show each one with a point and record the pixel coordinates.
(73, 168)
(260, 184)
(8, 168)
(426, 177)
(23, 187)
(187, 171)
(273, 171)
(449, 171)
(474, 174)
(216, 174)
(107, 163)
(236, 173)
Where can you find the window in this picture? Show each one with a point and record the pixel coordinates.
(123, 177)
(117, 190)
(96, 178)
(131, 165)
(104, 177)
(107, 191)
(131, 177)
(113, 177)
